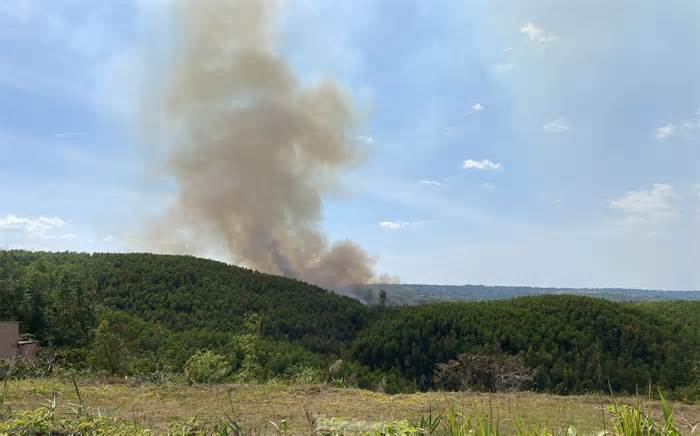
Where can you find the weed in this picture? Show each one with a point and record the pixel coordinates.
(429, 423)
(64, 408)
(636, 420)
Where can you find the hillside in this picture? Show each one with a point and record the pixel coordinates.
(197, 320)
(575, 344)
(177, 292)
(417, 293)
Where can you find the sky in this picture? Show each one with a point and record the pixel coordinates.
(541, 143)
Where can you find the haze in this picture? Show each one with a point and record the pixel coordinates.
(504, 142)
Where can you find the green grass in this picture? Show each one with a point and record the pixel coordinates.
(128, 407)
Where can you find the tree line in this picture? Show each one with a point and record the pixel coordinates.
(149, 314)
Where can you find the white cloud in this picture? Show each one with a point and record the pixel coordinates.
(31, 225)
(482, 165)
(393, 225)
(430, 182)
(532, 31)
(537, 34)
(32, 232)
(68, 134)
(556, 126)
(11, 222)
(665, 131)
(502, 68)
(366, 139)
(659, 202)
(684, 128)
(477, 107)
(547, 39)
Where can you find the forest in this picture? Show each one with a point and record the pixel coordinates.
(413, 294)
(198, 321)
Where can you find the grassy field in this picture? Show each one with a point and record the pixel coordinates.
(157, 407)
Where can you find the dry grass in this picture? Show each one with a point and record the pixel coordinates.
(158, 406)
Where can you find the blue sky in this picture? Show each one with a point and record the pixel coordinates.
(550, 143)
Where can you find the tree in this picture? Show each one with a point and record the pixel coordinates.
(382, 298)
(110, 351)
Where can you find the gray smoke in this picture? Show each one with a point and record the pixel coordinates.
(252, 150)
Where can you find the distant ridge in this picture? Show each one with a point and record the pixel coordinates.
(416, 294)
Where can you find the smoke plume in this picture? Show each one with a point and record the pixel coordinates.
(251, 149)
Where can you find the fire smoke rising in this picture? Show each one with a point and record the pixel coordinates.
(252, 151)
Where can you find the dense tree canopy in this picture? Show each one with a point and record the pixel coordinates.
(141, 313)
(575, 344)
(46, 291)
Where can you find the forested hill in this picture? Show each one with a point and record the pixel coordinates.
(576, 344)
(412, 294)
(148, 315)
(178, 292)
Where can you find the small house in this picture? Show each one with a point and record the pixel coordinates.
(12, 344)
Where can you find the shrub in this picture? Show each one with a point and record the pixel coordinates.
(335, 368)
(44, 421)
(110, 350)
(354, 375)
(304, 375)
(483, 372)
(206, 367)
(22, 367)
(637, 420)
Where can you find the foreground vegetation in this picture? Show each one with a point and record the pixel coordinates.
(128, 406)
(192, 321)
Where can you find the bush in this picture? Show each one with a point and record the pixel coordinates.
(304, 375)
(483, 372)
(44, 421)
(354, 375)
(110, 350)
(206, 367)
(23, 367)
(636, 419)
